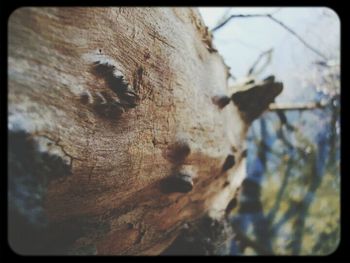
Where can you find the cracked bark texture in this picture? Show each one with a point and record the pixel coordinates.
(158, 121)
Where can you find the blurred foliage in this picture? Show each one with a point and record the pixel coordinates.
(290, 202)
(296, 162)
(321, 232)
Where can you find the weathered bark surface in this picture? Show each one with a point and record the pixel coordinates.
(65, 65)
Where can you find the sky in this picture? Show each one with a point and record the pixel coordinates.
(242, 40)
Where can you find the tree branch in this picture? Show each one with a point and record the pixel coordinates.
(296, 35)
(298, 107)
(260, 57)
(272, 18)
(236, 16)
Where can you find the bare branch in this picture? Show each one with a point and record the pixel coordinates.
(272, 18)
(297, 36)
(224, 16)
(297, 107)
(260, 57)
(236, 16)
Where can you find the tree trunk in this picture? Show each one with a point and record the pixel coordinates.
(119, 129)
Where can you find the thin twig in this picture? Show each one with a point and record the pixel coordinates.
(272, 18)
(260, 57)
(235, 16)
(224, 16)
(297, 36)
(296, 107)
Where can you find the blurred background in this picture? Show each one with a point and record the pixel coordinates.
(290, 202)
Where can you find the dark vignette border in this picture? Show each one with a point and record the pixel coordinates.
(7, 255)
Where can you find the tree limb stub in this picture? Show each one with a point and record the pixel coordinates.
(252, 99)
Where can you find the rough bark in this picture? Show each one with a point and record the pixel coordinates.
(115, 122)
